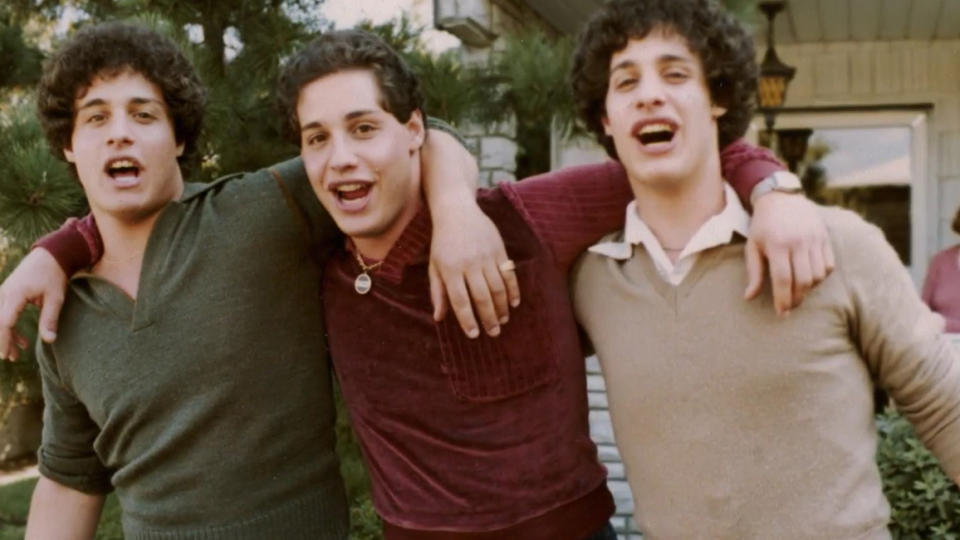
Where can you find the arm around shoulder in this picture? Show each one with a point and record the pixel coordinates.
(467, 255)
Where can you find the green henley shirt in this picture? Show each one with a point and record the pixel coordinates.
(206, 402)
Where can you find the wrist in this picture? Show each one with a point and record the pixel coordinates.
(779, 182)
(451, 207)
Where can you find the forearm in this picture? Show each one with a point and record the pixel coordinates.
(61, 513)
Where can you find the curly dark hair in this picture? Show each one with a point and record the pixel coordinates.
(343, 50)
(107, 49)
(721, 43)
(956, 222)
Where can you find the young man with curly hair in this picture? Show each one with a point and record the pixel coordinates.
(733, 423)
(190, 373)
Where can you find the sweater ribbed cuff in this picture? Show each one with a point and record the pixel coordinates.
(74, 245)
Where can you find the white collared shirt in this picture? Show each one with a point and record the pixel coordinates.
(716, 231)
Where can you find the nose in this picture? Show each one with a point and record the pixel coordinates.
(342, 157)
(119, 133)
(650, 92)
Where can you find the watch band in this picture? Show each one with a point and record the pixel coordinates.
(781, 181)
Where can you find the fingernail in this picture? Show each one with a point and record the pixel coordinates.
(48, 335)
(494, 332)
(504, 319)
(515, 303)
(473, 333)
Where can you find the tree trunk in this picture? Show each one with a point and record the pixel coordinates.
(214, 25)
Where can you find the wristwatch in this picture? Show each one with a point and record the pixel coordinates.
(782, 181)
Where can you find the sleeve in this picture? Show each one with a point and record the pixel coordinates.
(436, 123)
(75, 245)
(572, 208)
(901, 340)
(745, 165)
(953, 325)
(314, 221)
(66, 453)
(930, 282)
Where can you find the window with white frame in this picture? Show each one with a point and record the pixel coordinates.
(873, 163)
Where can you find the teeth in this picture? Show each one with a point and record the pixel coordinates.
(346, 188)
(122, 164)
(655, 128)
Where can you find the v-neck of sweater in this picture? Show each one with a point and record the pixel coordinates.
(138, 311)
(671, 294)
(141, 312)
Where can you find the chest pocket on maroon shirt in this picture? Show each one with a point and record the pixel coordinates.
(519, 360)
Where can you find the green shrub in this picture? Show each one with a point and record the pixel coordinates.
(924, 502)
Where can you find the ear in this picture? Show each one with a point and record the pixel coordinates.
(71, 157)
(717, 111)
(606, 125)
(417, 130)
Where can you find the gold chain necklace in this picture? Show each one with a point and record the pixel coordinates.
(364, 282)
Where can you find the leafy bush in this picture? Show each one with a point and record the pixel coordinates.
(37, 192)
(924, 502)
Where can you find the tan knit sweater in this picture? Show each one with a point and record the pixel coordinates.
(734, 423)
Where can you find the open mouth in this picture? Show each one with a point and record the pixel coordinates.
(352, 191)
(352, 195)
(655, 133)
(123, 170)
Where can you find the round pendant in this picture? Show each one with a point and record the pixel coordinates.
(363, 284)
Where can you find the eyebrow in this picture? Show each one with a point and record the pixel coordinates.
(356, 114)
(312, 125)
(349, 116)
(662, 59)
(96, 102)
